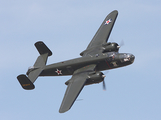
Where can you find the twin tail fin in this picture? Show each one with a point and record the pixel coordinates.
(33, 72)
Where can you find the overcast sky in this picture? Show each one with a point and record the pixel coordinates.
(67, 27)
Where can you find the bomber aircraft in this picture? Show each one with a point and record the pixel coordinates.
(100, 55)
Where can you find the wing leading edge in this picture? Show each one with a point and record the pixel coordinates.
(76, 84)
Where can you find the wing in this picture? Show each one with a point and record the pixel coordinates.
(104, 31)
(102, 34)
(76, 84)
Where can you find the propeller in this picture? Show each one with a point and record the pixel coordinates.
(121, 43)
(104, 84)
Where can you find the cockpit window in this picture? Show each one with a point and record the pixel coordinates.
(111, 55)
(125, 57)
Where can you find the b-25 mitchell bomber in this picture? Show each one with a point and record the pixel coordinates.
(100, 55)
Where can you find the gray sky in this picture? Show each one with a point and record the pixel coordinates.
(66, 27)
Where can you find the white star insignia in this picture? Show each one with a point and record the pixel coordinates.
(108, 21)
(58, 72)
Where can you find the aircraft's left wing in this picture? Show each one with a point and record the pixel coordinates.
(101, 36)
(104, 31)
(76, 84)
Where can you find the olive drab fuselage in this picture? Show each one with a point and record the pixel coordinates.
(104, 61)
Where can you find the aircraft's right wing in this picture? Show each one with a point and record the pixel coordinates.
(76, 84)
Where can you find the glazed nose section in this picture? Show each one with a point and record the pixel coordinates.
(132, 57)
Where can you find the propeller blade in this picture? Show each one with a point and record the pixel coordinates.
(104, 85)
(121, 43)
(106, 72)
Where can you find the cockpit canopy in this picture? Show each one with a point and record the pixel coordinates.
(125, 57)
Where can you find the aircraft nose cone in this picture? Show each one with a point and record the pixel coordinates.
(132, 57)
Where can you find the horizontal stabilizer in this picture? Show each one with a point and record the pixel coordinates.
(42, 48)
(25, 82)
(41, 61)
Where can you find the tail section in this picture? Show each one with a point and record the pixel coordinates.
(42, 48)
(35, 71)
(25, 82)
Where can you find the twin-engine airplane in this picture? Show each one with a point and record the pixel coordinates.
(85, 70)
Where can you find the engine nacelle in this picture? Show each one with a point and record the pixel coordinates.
(95, 78)
(109, 47)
